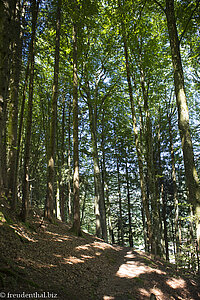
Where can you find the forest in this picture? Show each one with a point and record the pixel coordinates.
(99, 119)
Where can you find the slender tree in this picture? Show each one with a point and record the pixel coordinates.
(101, 229)
(69, 163)
(174, 179)
(25, 183)
(13, 104)
(51, 151)
(76, 189)
(62, 184)
(105, 188)
(129, 206)
(138, 150)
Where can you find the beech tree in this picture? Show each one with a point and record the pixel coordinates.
(52, 139)
(25, 183)
(183, 112)
(7, 12)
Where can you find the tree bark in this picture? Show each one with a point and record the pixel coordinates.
(6, 39)
(164, 217)
(25, 183)
(154, 197)
(69, 164)
(21, 118)
(62, 185)
(101, 228)
(129, 208)
(76, 218)
(137, 145)
(176, 202)
(191, 175)
(49, 205)
(13, 106)
(105, 189)
(121, 227)
(100, 211)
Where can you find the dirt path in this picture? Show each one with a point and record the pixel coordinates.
(51, 263)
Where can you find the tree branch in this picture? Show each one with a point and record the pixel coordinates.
(159, 4)
(186, 26)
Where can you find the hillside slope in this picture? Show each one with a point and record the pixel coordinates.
(47, 261)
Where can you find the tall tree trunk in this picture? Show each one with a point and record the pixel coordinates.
(101, 230)
(104, 180)
(192, 244)
(62, 185)
(101, 227)
(164, 217)
(21, 115)
(21, 118)
(69, 164)
(121, 227)
(57, 202)
(7, 9)
(191, 175)
(49, 205)
(25, 183)
(137, 145)
(110, 225)
(76, 218)
(84, 202)
(13, 106)
(154, 197)
(176, 202)
(146, 248)
(129, 207)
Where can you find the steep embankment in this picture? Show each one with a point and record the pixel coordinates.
(47, 261)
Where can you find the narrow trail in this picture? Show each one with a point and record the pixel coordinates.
(48, 259)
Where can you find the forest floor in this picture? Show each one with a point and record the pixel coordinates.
(41, 260)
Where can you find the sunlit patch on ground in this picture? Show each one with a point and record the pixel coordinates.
(57, 237)
(87, 256)
(143, 292)
(101, 245)
(158, 293)
(176, 283)
(108, 298)
(96, 247)
(83, 247)
(73, 260)
(134, 268)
